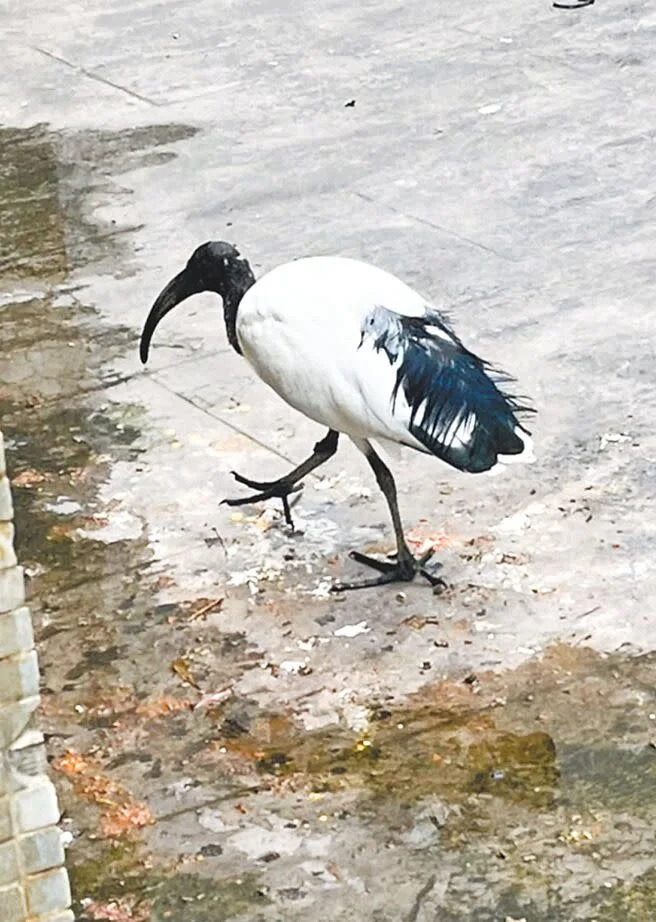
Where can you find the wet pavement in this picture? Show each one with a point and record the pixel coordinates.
(228, 740)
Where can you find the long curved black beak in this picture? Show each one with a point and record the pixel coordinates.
(178, 289)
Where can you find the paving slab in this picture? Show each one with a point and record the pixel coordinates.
(229, 740)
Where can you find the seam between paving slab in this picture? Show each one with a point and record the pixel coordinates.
(93, 76)
(229, 425)
(436, 227)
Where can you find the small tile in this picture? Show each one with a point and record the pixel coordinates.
(12, 588)
(27, 754)
(35, 806)
(14, 718)
(12, 900)
(19, 676)
(7, 555)
(42, 850)
(16, 632)
(6, 827)
(10, 870)
(6, 506)
(48, 892)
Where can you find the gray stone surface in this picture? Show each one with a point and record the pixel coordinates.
(6, 511)
(42, 851)
(48, 892)
(19, 677)
(35, 806)
(12, 591)
(482, 755)
(10, 870)
(7, 555)
(5, 819)
(15, 632)
(13, 903)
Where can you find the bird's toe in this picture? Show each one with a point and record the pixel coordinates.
(253, 484)
(402, 569)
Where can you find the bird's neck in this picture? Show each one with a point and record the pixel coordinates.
(239, 278)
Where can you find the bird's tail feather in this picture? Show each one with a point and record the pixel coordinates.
(526, 456)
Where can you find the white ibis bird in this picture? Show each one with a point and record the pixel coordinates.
(355, 349)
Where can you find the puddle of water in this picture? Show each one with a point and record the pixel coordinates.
(62, 440)
(55, 348)
(453, 744)
(32, 226)
(411, 753)
(74, 466)
(45, 178)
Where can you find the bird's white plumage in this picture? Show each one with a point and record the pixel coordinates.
(300, 327)
(303, 328)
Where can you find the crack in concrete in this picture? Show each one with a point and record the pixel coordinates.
(419, 899)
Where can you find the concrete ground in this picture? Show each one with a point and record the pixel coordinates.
(228, 740)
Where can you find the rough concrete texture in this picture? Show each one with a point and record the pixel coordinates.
(228, 740)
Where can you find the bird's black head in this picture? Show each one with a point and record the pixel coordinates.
(213, 266)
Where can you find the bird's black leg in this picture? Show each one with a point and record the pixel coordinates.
(405, 566)
(284, 486)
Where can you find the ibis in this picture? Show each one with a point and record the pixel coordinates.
(357, 350)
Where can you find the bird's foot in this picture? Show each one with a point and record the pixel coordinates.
(402, 570)
(275, 489)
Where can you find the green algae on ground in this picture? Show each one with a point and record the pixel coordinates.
(412, 754)
(545, 743)
(201, 899)
(630, 902)
(73, 467)
(121, 872)
(115, 870)
(32, 226)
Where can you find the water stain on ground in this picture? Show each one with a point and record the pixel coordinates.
(534, 787)
(512, 805)
(539, 736)
(46, 177)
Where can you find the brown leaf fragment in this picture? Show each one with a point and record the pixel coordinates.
(181, 668)
(160, 707)
(30, 478)
(122, 910)
(124, 819)
(417, 622)
(120, 813)
(71, 763)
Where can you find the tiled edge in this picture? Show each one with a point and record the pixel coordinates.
(33, 880)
